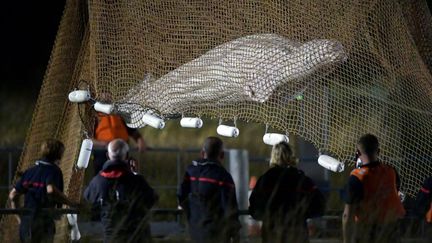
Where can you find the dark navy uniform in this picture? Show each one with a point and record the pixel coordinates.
(283, 199)
(424, 205)
(208, 197)
(36, 225)
(124, 200)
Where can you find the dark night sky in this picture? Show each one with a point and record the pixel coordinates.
(28, 30)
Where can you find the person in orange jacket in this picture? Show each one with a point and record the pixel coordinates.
(108, 128)
(424, 205)
(373, 207)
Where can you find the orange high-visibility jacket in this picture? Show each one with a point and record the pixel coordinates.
(429, 215)
(381, 202)
(110, 127)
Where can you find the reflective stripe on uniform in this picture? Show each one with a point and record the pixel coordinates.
(33, 184)
(209, 180)
(424, 190)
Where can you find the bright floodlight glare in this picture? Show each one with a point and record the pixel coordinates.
(275, 138)
(331, 163)
(85, 152)
(228, 131)
(191, 122)
(104, 108)
(78, 96)
(153, 121)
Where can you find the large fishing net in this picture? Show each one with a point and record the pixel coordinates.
(328, 71)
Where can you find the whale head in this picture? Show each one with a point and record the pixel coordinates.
(317, 53)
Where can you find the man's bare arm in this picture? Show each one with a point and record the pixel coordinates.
(14, 201)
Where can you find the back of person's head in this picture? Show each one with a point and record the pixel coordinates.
(118, 149)
(51, 150)
(213, 148)
(369, 145)
(281, 155)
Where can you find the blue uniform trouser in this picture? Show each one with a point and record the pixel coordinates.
(37, 229)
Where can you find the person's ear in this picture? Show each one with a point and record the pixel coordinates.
(222, 155)
(202, 153)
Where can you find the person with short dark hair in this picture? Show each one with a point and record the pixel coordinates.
(373, 207)
(124, 198)
(283, 198)
(42, 186)
(207, 194)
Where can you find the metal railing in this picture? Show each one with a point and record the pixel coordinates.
(11, 151)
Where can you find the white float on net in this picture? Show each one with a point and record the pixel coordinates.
(153, 121)
(104, 108)
(79, 96)
(85, 153)
(191, 122)
(275, 138)
(228, 131)
(331, 163)
(73, 222)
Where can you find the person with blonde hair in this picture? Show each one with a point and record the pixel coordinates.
(283, 198)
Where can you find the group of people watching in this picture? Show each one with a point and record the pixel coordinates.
(283, 198)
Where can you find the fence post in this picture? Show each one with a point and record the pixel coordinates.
(239, 169)
(10, 170)
(179, 177)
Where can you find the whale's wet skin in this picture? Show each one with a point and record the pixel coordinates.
(250, 68)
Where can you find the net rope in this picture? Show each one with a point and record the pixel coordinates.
(358, 66)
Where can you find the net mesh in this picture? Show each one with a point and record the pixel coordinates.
(328, 71)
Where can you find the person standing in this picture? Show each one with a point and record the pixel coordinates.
(42, 187)
(207, 194)
(283, 198)
(424, 206)
(108, 128)
(124, 198)
(373, 207)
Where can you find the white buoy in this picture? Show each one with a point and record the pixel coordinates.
(153, 121)
(191, 122)
(85, 152)
(73, 222)
(331, 163)
(275, 138)
(104, 108)
(227, 131)
(78, 96)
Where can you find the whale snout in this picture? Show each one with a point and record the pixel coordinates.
(318, 52)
